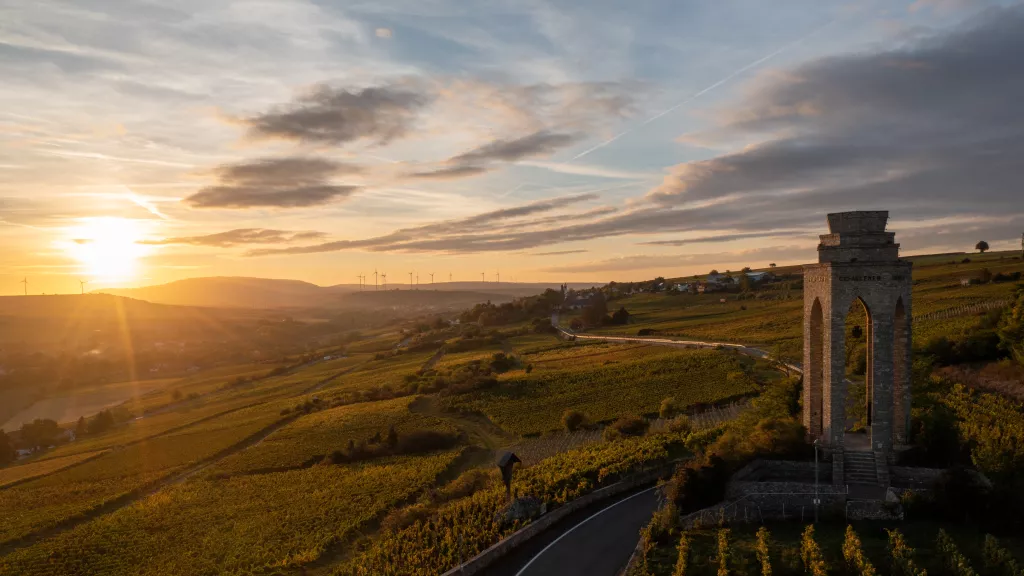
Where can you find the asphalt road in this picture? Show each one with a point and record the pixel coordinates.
(597, 541)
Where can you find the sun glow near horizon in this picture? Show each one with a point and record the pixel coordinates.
(108, 248)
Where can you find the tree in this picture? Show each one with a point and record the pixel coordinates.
(594, 313)
(81, 429)
(772, 265)
(392, 439)
(981, 246)
(40, 433)
(621, 316)
(102, 422)
(714, 272)
(7, 453)
(746, 270)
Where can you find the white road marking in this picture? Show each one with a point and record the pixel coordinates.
(569, 531)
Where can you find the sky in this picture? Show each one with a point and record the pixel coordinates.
(143, 142)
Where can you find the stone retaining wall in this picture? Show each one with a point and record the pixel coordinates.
(783, 471)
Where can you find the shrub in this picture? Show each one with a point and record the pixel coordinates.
(625, 426)
(573, 420)
(853, 554)
(668, 408)
(810, 554)
(680, 424)
(763, 549)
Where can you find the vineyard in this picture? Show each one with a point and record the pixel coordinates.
(463, 528)
(24, 472)
(868, 549)
(46, 501)
(389, 372)
(244, 525)
(607, 389)
(317, 435)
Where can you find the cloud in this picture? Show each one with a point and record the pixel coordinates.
(279, 182)
(725, 238)
(559, 252)
(757, 257)
(450, 172)
(927, 131)
(240, 236)
(472, 233)
(536, 144)
(478, 160)
(331, 115)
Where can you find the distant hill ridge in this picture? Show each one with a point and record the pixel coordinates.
(244, 292)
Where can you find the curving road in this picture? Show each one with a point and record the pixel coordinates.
(597, 541)
(742, 349)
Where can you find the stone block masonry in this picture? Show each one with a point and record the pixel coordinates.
(858, 262)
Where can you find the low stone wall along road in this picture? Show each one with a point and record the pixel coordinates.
(597, 541)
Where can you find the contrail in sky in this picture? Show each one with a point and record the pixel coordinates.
(696, 95)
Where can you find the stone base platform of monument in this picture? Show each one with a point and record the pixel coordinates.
(794, 490)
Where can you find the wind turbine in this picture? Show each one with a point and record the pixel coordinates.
(360, 282)
(374, 278)
(25, 282)
(431, 278)
(497, 277)
(410, 280)
(384, 277)
(417, 280)
(449, 277)
(82, 284)
(482, 279)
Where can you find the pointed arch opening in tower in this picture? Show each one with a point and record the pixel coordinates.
(815, 372)
(858, 401)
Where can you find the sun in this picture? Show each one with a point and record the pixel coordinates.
(107, 247)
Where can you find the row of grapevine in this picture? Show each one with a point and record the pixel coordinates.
(726, 552)
(998, 560)
(902, 556)
(853, 553)
(723, 552)
(810, 553)
(955, 562)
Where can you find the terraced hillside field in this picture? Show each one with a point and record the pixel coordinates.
(605, 382)
(317, 435)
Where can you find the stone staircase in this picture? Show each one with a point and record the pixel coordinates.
(859, 468)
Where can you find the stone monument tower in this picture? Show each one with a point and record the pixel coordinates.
(857, 261)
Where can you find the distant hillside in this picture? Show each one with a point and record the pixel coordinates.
(233, 292)
(239, 292)
(70, 319)
(424, 300)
